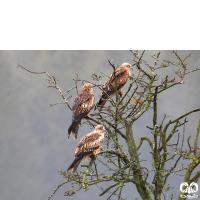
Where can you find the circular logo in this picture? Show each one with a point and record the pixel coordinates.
(186, 187)
(191, 187)
(189, 190)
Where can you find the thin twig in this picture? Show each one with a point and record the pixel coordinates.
(183, 133)
(52, 79)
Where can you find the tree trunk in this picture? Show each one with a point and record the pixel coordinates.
(136, 168)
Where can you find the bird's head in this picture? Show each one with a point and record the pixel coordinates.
(100, 128)
(87, 87)
(127, 66)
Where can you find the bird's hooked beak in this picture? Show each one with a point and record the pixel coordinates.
(130, 67)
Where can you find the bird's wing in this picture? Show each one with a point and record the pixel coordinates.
(83, 103)
(89, 143)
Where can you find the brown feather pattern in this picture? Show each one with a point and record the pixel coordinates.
(90, 144)
(82, 105)
(122, 73)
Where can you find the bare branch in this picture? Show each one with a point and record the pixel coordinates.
(52, 80)
(141, 141)
(108, 188)
(196, 137)
(183, 133)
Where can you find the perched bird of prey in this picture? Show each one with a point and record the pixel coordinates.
(90, 144)
(122, 73)
(82, 105)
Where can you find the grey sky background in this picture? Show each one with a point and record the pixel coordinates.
(33, 143)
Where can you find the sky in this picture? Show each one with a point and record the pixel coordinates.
(34, 145)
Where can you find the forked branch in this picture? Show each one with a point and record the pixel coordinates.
(51, 80)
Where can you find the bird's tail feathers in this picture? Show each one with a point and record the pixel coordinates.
(75, 164)
(101, 102)
(103, 99)
(74, 128)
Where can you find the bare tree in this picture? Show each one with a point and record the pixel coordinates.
(119, 116)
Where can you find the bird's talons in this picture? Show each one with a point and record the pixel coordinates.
(120, 93)
(87, 117)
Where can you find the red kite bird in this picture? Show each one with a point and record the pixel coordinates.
(122, 73)
(82, 105)
(90, 144)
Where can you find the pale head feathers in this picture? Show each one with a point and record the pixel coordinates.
(100, 128)
(127, 66)
(87, 87)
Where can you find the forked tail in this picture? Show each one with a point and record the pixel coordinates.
(75, 164)
(74, 129)
(101, 103)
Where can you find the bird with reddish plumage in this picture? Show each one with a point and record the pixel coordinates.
(89, 145)
(122, 74)
(82, 105)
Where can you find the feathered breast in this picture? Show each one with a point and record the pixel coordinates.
(89, 143)
(83, 103)
(122, 78)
